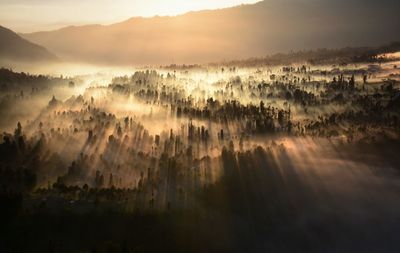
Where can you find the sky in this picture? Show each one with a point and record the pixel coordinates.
(39, 15)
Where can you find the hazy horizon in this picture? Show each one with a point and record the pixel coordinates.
(26, 16)
(241, 32)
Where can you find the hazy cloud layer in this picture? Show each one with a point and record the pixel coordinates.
(235, 33)
(36, 15)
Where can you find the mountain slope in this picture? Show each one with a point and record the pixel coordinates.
(13, 47)
(239, 32)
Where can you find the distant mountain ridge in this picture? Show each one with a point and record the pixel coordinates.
(15, 48)
(240, 32)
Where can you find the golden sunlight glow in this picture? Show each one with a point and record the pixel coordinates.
(48, 15)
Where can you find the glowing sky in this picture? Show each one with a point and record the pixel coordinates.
(37, 15)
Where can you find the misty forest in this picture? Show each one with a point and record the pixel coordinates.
(284, 151)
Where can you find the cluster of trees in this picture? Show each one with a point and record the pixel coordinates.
(196, 149)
